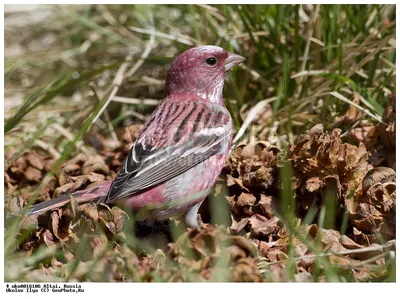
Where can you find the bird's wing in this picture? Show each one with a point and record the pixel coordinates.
(177, 137)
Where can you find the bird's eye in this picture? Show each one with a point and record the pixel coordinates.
(211, 61)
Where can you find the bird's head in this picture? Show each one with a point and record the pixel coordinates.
(201, 71)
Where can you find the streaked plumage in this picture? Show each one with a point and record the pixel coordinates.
(182, 147)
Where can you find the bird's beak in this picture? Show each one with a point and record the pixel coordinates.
(233, 60)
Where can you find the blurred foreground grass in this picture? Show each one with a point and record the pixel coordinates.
(305, 65)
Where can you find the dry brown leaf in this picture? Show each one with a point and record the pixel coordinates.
(34, 159)
(267, 205)
(33, 174)
(29, 222)
(237, 227)
(15, 204)
(388, 132)
(90, 210)
(374, 210)
(261, 226)
(55, 223)
(119, 218)
(352, 115)
(47, 237)
(96, 165)
(252, 165)
(63, 189)
(246, 199)
(246, 270)
(377, 175)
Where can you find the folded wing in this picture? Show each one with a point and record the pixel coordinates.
(177, 137)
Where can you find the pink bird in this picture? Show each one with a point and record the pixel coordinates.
(181, 149)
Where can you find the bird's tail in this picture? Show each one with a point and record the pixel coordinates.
(52, 204)
(81, 197)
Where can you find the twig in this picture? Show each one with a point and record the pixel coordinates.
(272, 138)
(366, 111)
(367, 261)
(116, 84)
(299, 104)
(135, 114)
(122, 74)
(163, 35)
(135, 101)
(369, 57)
(308, 73)
(146, 52)
(213, 11)
(254, 74)
(153, 81)
(48, 147)
(250, 117)
(352, 127)
(307, 48)
(114, 23)
(106, 115)
(66, 133)
(388, 245)
(180, 35)
(247, 35)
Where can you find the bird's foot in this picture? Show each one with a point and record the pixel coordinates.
(200, 222)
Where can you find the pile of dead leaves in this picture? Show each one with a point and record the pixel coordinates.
(384, 150)
(373, 211)
(257, 246)
(214, 255)
(320, 159)
(24, 174)
(251, 176)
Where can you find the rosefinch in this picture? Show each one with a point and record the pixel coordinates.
(181, 149)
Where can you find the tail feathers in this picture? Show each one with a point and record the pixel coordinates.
(52, 204)
(93, 194)
(57, 203)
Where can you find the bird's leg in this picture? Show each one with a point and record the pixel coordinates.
(191, 219)
(200, 222)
